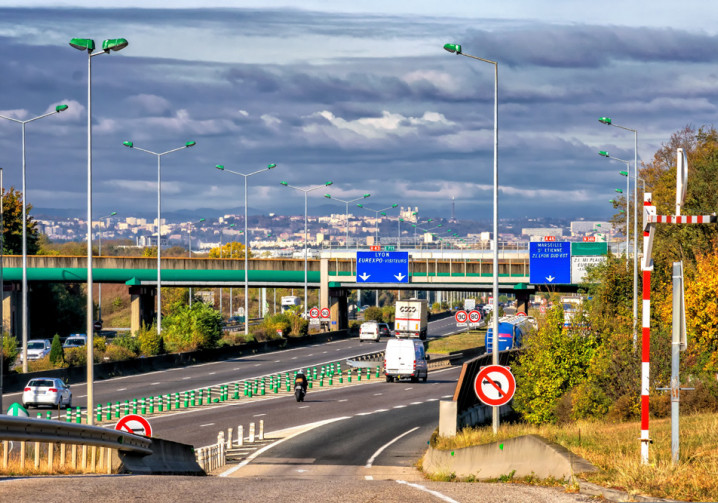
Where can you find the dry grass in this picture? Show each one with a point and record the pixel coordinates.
(615, 449)
(15, 468)
(458, 342)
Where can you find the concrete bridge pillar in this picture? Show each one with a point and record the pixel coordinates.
(523, 301)
(333, 298)
(142, 307)
(11, 309)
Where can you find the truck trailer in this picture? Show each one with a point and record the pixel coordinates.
(411, 318)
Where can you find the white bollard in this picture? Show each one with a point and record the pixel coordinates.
(261, 429)
(229, 438)
(240, 436)
(251, 433)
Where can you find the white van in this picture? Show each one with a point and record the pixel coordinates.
(405, 358)
(369, 331)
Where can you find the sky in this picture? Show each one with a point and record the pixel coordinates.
(358, 93)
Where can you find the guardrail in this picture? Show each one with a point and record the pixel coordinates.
(39, 432)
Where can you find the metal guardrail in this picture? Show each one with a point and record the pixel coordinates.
(25, 429)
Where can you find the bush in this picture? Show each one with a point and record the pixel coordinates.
(192, 328)
(10, 352)
(387, 313)
(373, 313)
(56, 354)
(354, 326)
(39, 365)
(149, 341)
(300, 327)
(118, 353)
(126, 341)
(77, 357)
(276, 322)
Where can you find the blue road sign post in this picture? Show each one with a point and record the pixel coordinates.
(550, 262)
(382, 267)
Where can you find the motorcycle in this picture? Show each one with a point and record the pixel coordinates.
(299, 393)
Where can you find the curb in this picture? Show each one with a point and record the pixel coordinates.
(592, 489)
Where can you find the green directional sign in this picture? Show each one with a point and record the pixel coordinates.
(17, 410)
(389, 248)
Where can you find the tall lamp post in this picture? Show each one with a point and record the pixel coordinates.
(605, 154)
(456, 49)
(609, 122)
(376, 217)
(306, 192)
(246, 247)
(346, 212)
(58, 109)
(99, 253)
(88, 45)
(159, 155)
(620, 191)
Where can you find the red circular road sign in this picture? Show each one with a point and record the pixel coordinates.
(542, 309)
(325, 312)
(461, 316)
(314, 312)
(474, 316)
(495, 385)
(134, 423)
(521, 313)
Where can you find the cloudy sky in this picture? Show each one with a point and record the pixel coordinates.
(359, 93)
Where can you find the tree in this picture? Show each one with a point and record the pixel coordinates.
(12, 225)
(232, 249)
(56, 354)
(191, 328)
(373, 313)
(10, 352)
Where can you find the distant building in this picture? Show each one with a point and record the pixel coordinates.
(536, 233)
(581, 227)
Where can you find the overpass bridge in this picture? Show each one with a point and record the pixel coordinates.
(334, 273)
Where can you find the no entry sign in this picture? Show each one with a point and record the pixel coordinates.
(495, 385)
(134, 423)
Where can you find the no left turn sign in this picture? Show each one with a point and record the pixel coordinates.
(135, 424)
(495, 385)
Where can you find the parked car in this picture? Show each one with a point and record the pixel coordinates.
(369, 331)
(384, 330)
(37, 349)
(75, 341)
(47, 391)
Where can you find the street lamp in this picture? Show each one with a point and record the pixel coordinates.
(159, 155)
(189, 238)
(58, 109)
(88, 45)
(609, 122)
(99, 254)
(221, 255)
(376, 217)
(306, 191)
(456, 49)
(246, 247)
(346, 213)
(605, 154)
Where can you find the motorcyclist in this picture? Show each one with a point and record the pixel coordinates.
(301, 380)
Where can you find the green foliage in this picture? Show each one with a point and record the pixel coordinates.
(191, 328)
(300, 326)
(282, 321)
(373, 313)
(229, 250)
(149, 341)
(12, 225)
(387, 313)
(436, 307)
(128, 342)
(57, 356)
(118, 353)
(555, 360)
(9, 351)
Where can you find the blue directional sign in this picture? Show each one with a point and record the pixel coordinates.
(550, 262)
(382, 267)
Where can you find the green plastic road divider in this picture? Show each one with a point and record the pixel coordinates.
(78, 416)
(68, 415)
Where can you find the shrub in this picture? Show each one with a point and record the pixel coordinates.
(116, 353)
(373, 313)
(191, 328)
(127, 342)
(38, 365)
(300, 326)
(10, 352)
(276, 322)
(149, 341)
(77, 357)
(56, 354)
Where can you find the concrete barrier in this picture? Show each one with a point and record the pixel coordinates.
(524, 456)
(167, 458)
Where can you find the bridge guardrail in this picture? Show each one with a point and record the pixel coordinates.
(42, 430)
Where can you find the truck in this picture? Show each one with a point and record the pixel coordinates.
(411, 318)
(290, 301)
(469, 304)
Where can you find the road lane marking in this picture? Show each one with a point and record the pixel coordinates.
(447, 396)
(277, 361)
(185, 378)
(344, 400)
(433, 400)
(368, 477)
(380, 410)
(259, 415)
(407, 389)
(258, 365)
(381, 449)
(236, 368)
(398, 406)
(377, 394)
(121, 389)
(304, 407)
(294, 358)
(154, 384)
(437, 494)
(82, 396)
(208, 424)
(416, 403)
(212, 373)
(363, 413)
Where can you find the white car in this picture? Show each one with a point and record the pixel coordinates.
(369, 331)
(37, 349)
(47, 391)
(75, 341)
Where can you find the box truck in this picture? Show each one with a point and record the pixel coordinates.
(410, 318)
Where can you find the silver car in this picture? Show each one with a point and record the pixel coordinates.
(46, 391)
(37, 349)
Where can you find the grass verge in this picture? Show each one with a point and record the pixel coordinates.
(615, 449)
(458, 342)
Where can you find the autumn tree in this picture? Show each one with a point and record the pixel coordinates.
(12, 225)
(229, 250)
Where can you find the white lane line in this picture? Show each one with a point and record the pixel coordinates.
(380, 410)
(416, 403)
(208, 424)
(236, 368)
(259, 415)
(154, 384)
(381, 449)
(368, 477)
(121, 389)
(82, 396)
(185, 378)
(447, 396)
(407, 389)
(338, 349)
(294, 358)
(310, 355)
(324, 352)
(304, 407)
(344, 400)
(277, 361)
(377, 394)
(363, 413)
(433, 400)
(258, 365)
(398, 406)
(437, 494)
(212, 373)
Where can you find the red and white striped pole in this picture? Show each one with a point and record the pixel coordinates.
(649, 211)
